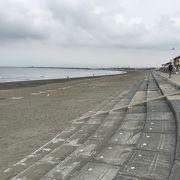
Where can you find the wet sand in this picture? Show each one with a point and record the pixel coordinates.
(32, 113)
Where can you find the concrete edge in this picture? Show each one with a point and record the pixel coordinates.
(176, 122)
(172, 83)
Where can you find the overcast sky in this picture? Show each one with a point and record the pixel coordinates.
(88, 33)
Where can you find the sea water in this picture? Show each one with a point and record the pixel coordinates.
(12, 74)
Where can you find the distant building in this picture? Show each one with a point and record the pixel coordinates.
(177, 61)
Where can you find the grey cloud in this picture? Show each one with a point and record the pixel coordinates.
(18, 23)
(78, 23)
(84, 25)
(12, 31)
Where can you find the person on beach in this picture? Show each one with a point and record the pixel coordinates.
(170, 68)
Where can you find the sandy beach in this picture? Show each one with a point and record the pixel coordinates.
(32, 113)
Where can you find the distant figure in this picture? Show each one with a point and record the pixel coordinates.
(177, 69)
(170, 67)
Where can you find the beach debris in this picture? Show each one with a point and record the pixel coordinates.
(49, 160)
(7, 170)
(57, 139)
(46, 150)
(73, 142)
(15, 98)
(64, 88)
(35, 94)
(51, 90)
(42, 92)
(90, 169)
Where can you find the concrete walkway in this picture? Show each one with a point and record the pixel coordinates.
(174, 102)
(175, 79)
(137, 143)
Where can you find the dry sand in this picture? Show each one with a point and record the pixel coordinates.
(35, 112)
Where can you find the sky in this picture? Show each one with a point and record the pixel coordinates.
(89, 33)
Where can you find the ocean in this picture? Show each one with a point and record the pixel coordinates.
(13, 74)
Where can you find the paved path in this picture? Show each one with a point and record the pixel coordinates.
(175, 78)
(138, 143)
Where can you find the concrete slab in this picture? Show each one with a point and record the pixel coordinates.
(157, 142)
(83, 133)
(137, 109)
(132, 125)
(175, 104)
(158, 106)
(160, 126)
(148, 164)
(40, 168)
(67, 168)
(175, 174)
(138, 97)
(36, 172)
(97, 119)
(89, 149)
(127, 177)
(106, 130)
(130, 95)
(176, 109)
(167, 89)
(116, 115)
(109, 106)
(166, 86)
(153, 87)
(96, 171)
(135, 116)
(160, 116)
(126, 137)
(59, 154)
(69, 131)
(46, 178)
(114, 154)
(175, 97)
(143, 86)
(123, 102)
(177, 155)
(153, 94)
(175, 78)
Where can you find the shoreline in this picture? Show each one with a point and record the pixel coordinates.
(34, 83)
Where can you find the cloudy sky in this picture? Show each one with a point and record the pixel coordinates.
(88, 33)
